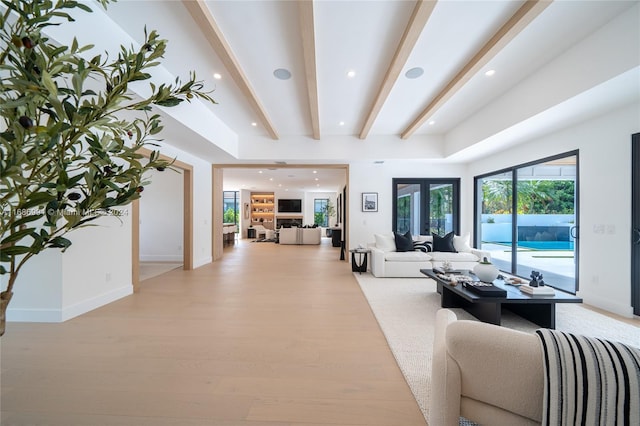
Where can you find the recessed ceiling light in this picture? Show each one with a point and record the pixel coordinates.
(271, 179)
(341, 123)
(217, 76)
(490, 73)
(317, 179)
(414, 72)
(279, 184)
(282, 74)
(315, 171)
(432, 122)
(351, 74)
(254, 124)
(259, 171)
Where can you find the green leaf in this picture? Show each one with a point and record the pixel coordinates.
(60, 242)
(49, 83)
(15, 250)
(27, 219)
(17, 236)
(36, 199)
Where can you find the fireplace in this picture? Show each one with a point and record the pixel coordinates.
(288, 222)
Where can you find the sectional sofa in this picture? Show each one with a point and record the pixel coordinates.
(387, 261)
(300, 235)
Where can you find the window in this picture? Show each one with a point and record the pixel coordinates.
(423, 206)
(230, 210)
(527, 217)
(320, 210)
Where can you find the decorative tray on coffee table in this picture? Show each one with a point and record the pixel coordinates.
(485, 289)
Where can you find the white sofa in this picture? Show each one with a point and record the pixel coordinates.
(300, 235)
(387, 262)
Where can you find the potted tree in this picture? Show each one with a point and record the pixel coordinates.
(67, 155)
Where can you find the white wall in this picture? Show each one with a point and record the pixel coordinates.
(202, 204)
(604, 146)
(161, 217)
(370, 177)
(96, 269)
(37, 293)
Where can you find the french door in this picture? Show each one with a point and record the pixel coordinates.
(424, 206)
(635, 223)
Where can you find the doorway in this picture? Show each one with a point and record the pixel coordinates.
(187, 232)
(635, 223)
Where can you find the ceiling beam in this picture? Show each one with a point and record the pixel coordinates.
(307, 30)
(204, 19)
(417, 22)
(519, 21)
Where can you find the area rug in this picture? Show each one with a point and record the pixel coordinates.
(405, 309)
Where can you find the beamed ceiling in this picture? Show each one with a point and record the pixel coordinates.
(419, 88)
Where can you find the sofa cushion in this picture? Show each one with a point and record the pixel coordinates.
(462, 243)
(443, 243)
(407, 256)
(403, 242)
(385, 242)
(442, 256)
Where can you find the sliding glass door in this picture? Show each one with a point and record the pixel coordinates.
(423, 206)
(635, 224)
(527, 218)
(494, 227)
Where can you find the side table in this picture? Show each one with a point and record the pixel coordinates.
(359, 264)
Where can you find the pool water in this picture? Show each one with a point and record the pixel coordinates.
(547, 245)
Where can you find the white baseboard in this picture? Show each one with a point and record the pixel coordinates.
(85, 306)
(161, 258)
(616, 308)
(61, 315)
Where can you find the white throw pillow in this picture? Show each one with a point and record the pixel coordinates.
(385, 242)
(461, 243)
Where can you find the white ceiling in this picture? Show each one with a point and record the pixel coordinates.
(363, 36)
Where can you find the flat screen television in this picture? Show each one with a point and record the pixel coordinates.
(289, 205)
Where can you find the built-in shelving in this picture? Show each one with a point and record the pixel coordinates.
(263, 209)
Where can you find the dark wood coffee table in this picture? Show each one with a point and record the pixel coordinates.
(540, 310)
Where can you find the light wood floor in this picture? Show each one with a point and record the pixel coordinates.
(269, 336)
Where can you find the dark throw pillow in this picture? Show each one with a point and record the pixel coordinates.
(443, 244)
(403, 242)
(423, 246)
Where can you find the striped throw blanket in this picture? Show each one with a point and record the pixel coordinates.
(589, 381)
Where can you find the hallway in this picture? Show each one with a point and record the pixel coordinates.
(270, 335)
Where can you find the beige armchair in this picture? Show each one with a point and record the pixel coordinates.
(488, 374)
